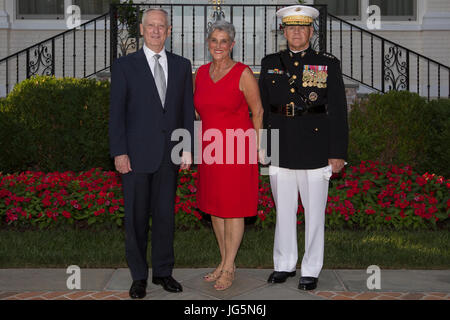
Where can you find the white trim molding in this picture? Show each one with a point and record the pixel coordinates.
(436, 21)
(4, 20)
(424, 20)
(37, 24)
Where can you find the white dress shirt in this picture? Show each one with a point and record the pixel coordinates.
(162, 60)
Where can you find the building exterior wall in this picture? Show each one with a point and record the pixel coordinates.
(439, 5)
(434, 43)
(429, 35)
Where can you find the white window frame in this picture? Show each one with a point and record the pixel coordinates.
(419, 10)
(42, 24)
(52, 16)
(351, 18)
(86, 17)
(48, 16)
(402, 18)
(388, 24)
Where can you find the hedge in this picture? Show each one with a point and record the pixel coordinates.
(50, 124)
(401, 127)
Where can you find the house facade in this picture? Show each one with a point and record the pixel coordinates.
(422, 26)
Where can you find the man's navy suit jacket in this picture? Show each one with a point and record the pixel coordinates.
(139, 126)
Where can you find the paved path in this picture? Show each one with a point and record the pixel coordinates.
(250, 284)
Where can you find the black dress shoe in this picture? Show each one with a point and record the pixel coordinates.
(168, 283)
(280, 276)
(307, 283)
(138, 289)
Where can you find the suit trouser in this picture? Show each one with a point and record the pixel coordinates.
(145, 193)
(313, 187)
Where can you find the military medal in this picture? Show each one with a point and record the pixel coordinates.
(305, 78)
(315, 80)
(308, 76)
(315, 76)
(275, 71)
(320, 79)
(313, 96)
(322, 76)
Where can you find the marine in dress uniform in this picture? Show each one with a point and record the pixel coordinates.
(304, 98)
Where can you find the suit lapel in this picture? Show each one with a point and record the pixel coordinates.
(171, 69)
(146, 73)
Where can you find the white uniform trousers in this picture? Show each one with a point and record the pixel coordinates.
(313, 187)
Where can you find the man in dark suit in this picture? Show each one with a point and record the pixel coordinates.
(151, 96)
(303, 95)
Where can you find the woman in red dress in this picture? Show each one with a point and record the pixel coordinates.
(224, 91)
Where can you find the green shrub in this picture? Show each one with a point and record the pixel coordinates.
(56, 125)
(401, 128)
(437, 137)
(51, 124)
(14, 142)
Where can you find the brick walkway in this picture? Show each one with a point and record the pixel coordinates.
(123, 295)
(345, 295)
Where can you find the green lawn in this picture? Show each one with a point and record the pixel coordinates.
(87, 248)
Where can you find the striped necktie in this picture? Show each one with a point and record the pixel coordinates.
(160, 79)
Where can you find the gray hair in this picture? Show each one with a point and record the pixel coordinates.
(155, 9)
(222, 25)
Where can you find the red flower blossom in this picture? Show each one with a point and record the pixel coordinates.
(66, 214)
(421, 181)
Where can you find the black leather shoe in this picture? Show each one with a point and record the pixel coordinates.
(280, 276)
(307, 283)
(168, 283)
(138, 289)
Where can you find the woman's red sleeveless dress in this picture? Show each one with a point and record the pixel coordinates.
(227, 184)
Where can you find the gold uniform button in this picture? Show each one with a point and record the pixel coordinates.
(296, 63)
(292, 90)
(294, 77)
(273, 81)
(316, 129)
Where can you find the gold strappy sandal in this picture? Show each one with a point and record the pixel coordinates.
(213, 276)
(225, 280)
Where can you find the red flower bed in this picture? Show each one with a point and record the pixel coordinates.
(370, 196)
(374, 195)
(42, 199)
